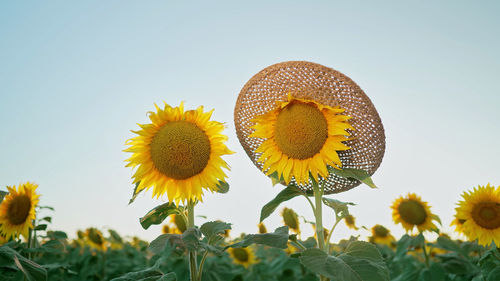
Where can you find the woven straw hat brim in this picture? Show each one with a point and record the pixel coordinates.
(307, 80)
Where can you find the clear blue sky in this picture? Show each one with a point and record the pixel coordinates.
(76, 77)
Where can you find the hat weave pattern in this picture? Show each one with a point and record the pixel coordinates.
(307, 80)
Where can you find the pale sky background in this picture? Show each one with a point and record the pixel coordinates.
(76, 77)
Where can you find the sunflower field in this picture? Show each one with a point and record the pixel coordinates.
(314, 133)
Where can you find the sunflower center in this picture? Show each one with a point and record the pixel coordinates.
(381, 231)
(487, 214)
(412, 212)
(240, 254)
(19, 209)
(301, 130)
(180, 150)
(95, 237)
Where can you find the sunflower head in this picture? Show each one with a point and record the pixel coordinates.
(17, 210)
(296, 118)
(381, 235)
(178, 153)
(95, 239)
(291, 219)
(478, 214)
(262, 228)
(412, 212)
(243, 256)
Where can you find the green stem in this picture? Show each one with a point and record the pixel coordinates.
(299, 245)
(330, 234)
(425, 255)
(192, 254)
(318, 214)
(103, 265)
(202, 262)
(30, 234)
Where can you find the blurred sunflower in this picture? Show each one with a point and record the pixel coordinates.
(3, 240)
(480, 211)
(381, 235)
(412, 212)
(176, 224)
(243, 256)
(95, 239)
(262, 228)
(17, 210)
(178, 153)
(350, 221)
(165, 229)
(291, 219)
(458, 223)
(301, 136)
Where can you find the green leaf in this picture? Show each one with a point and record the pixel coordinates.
(47, 219)
(494, 275)
(191, 238)
(41, 227)
(222, 187)
(406, 242)
(158, 245)
(340, 208)
(31, 270)
(360, 262)
(46, 207)
(277, 239)
(356, 174)
(213, 228)
(149, 274)
(2, 195)
(434, 273)
(159, 214)
(286, 194)
(115, 236)
(135, 193)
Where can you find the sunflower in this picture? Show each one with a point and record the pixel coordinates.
(165, 229)
(381, 235)
(262, 228)
(243, 256)
(480, 211)
(350, 221)
(95, 239)
(413, 212)
(178, 153)
(458, 223)
(17, 210)
(301, 136)
(291, 219)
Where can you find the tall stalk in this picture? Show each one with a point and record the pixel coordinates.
(318, 214)
(193, 267)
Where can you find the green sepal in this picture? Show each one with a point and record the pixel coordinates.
(2, 195)
(135, 192)
(222, 187)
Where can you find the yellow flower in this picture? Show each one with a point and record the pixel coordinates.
(300, 137)
(412, 212)
(179, 153)
(458, 223)
(95, 239)
(381, 235)
(350, 221)
(243, 256)
(291, 219)
(280, 118)
(480, 213)
(262, 228)
(17, 210)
